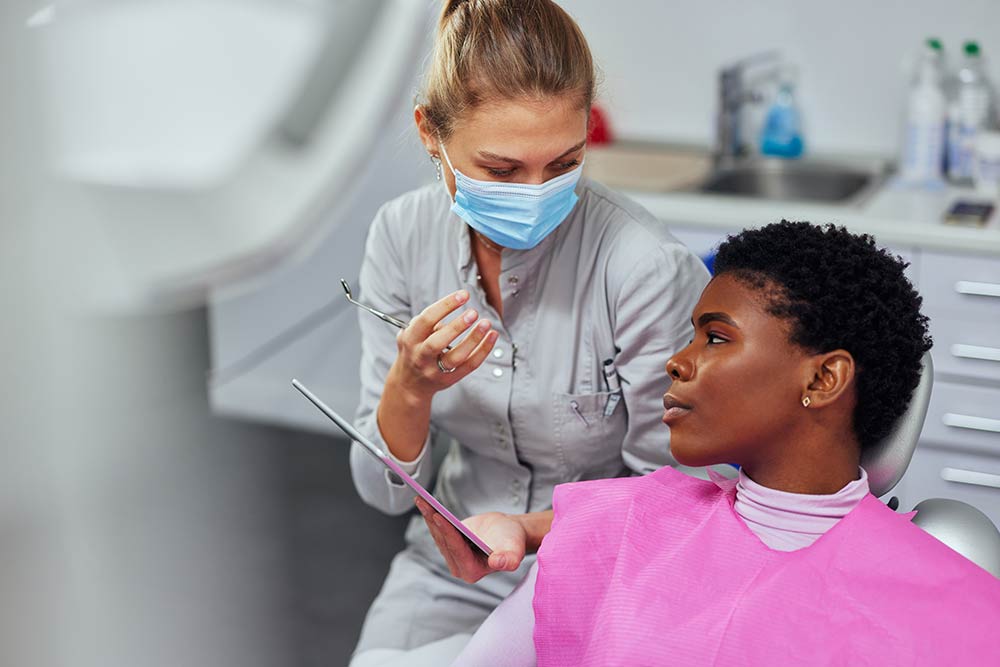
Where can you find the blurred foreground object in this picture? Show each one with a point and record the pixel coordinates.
(151, 150)
(211, 138)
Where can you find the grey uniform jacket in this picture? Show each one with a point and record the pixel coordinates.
(609, 283)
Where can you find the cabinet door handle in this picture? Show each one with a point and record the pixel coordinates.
(977, 289)
(973, 423)
(976, 352)
(973, 477)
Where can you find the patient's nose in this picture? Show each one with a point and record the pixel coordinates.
(679, 367)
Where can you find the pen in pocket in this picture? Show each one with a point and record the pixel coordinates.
(613, 385)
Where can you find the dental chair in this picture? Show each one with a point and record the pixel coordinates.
(959, 525)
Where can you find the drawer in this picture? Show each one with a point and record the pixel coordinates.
(960, 287)
(962, 299)
(966, 346)
(963, 417)
(935, 473)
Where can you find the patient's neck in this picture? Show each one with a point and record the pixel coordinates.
(789, 521)
(818, 461)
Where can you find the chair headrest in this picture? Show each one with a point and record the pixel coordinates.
(886, 461)
(963, 528)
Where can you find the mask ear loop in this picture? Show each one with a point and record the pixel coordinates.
(444, 152)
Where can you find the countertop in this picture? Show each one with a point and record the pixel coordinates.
(897, 215)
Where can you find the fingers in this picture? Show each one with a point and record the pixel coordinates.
(504, 560)
(422, 326)
(479, 354)
(471, 346)
(439, 529)
(460, 558)
(440, 339)
(436, 532)
(462, 562)
(428, 335)
(468, 355)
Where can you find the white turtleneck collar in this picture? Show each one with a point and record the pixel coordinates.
(788, 521)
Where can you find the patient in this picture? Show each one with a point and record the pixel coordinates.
(807, 349)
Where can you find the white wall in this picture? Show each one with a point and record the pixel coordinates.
(660, 59)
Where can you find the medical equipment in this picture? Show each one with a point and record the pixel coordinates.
(394, 467)
(396, 322)
(963, 528)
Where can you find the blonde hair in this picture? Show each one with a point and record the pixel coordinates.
(503, 49)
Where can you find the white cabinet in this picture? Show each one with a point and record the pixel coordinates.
(962, 298)
(964, 417)
(959, 452)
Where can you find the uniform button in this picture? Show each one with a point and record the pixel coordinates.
(497, 353)
(497, 372)
(512, 280)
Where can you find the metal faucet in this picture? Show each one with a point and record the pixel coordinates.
(733, 94)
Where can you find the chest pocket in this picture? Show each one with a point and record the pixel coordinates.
(589, 431)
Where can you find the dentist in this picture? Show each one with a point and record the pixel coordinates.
(540, 307)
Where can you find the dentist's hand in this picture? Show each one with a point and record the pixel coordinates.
(404, 411)
(422, 348)
(504, 533)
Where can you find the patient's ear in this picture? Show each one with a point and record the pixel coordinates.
(831, 377)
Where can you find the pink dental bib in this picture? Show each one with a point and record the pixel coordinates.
(659, 570)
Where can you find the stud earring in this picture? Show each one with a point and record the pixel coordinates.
(806, 401)
(437, 165)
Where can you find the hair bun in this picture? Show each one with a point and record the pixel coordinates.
(503, 50)
(450, 6)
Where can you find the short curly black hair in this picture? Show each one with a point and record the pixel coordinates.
(840, 291)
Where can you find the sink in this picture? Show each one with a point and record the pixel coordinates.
(796, 181)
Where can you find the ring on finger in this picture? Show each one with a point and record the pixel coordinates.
(442, 367)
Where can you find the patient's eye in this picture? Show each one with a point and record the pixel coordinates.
(714, 338)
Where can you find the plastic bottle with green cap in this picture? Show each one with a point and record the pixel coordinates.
(968, 113)
(922, 152)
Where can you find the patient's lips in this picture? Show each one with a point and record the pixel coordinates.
(673, 409)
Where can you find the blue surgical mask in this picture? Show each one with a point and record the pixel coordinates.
(514, 215)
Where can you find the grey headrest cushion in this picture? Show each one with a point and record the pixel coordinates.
(886, 461)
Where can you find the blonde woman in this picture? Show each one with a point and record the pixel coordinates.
(539, 307)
